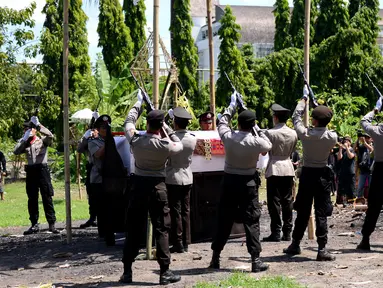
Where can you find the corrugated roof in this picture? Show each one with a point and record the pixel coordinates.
(198, 7)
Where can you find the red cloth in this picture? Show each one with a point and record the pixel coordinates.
(216, 147)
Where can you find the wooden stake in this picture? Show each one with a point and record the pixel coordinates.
(66, 123)
(78, 175)
(211, 56)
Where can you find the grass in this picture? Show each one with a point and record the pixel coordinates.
(14, 210)
(239, 279)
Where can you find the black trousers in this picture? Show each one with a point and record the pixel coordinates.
(39, 178)
(346, 186)
(101, 206)
(147, 194)
(315, 184)
(239, 192)
(279, 197)
(179, 204)
(375, 200)
(92, 197)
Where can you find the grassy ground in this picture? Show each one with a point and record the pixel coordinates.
(14, 210)
(245, 280)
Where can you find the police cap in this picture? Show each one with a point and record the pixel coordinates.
(276, 108)
(27, 124)
(155, 115)
(246, 116)
(322, 113)
(181, 113)
(206, 117)
(103, 120)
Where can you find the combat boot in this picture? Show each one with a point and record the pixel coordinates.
(364, 244)
(127, 277)
(33, 229)
(274, 237)
(177, 248)
(214, 263)
(293, 249)
(89, 223)
(167, 276)
(257, 265)
(286, 237)
(53, 229)
(324, 255)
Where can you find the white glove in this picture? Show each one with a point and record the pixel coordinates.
(171, 113)
(233, 99)
(378, 105)
(140, 97)
(305, 92)
(88, 134)
(219, 116)
(27, 134)
(256, 127)
(35, 121)
(95, 115)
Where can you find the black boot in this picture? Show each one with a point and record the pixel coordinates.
(110, 239)
(177, 248)
(214, 263)
(364, 244)
(324, 255)
(257, 265)
(33, 229)
(274, 237)
(89, 223)
(167, 276)
(53, 229)
(186, 248)
(293, 249)
(286, 236)
(127, 277)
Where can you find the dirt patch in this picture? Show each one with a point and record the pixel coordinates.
(87, 262)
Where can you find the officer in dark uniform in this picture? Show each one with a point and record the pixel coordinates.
(179, 180)
(316, 177)
(206, 121)
(375, 196)
(148, 190)
(38, 174)
(240, 183)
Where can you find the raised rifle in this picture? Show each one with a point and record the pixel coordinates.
(376, 90)
(91, 126)
(311, 93)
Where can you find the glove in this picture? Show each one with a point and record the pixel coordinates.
(378, 105)
(171, 114)
(95, 115)
(35, 121)
(219, 116)
(88, 134)
(256, 127)
(305, 92)
(140, 97)
(27, 134)
(233, 100)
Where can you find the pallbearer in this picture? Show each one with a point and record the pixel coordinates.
(240, 183)
(280, 175)
(316, 177)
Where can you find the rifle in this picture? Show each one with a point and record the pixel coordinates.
(311, 93)
(91, 125)
(376, 90)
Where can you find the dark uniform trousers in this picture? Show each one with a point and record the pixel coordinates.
(38, 177)
(179, 204)
(375, 200)
(102, 207)
(315, 184)
(239, 192)
(148, 193)
(92, 198)
(279, 195)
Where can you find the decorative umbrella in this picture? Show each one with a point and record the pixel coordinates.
(82, 116)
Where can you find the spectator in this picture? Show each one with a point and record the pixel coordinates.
(365, 149)
(3, 173)
(346, 156)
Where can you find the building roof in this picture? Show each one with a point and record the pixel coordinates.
(198, 7)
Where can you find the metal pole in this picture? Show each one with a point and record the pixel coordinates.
(66, 123)
(211, 55)
(306, 48)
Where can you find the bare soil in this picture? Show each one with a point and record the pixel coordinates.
(29, 261)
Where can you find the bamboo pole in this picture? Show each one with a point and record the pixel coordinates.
(211, 56)
(78, 175)
(311, 224)
(66, 123)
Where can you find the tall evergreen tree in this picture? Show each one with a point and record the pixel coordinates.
(281, 12)
(333, 16)
(135, 20)
(230, 61)
(183, 49)
(114, 37)
(353, 7)
(247, 51)
(297, 26)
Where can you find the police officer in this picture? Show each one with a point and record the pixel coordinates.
(280, 175)
(148, 191)
(179, 180)
(240, 183)
(375, 197)
(38, 175)
(315, 180)
(206, 121)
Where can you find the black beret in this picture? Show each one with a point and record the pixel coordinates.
(181, 113)
(155, 115)
(206, 117)
(278, 108)
(322, 113)
(246, 116)
(103, 119)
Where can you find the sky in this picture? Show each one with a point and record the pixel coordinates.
(91, 10)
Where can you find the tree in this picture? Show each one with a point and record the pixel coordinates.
(183, 49)
(282, 37)
(353, 7)
(297, 29)
(333, 16)
(114, 37)
(247, 51)
(230, 61)
(136, 21)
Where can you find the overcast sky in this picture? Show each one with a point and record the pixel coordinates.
(92, 11)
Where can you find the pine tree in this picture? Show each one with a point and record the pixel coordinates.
(247, 51)
(114, 37)
(353, 7)
(333, 16)
(230, 61)
(281, 12)
(183, 49)
(135, 20)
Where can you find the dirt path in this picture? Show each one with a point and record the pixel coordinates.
(29, 261)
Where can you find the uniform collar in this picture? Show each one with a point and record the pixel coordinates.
(280, 125)
(153, 135)
(181, 130)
